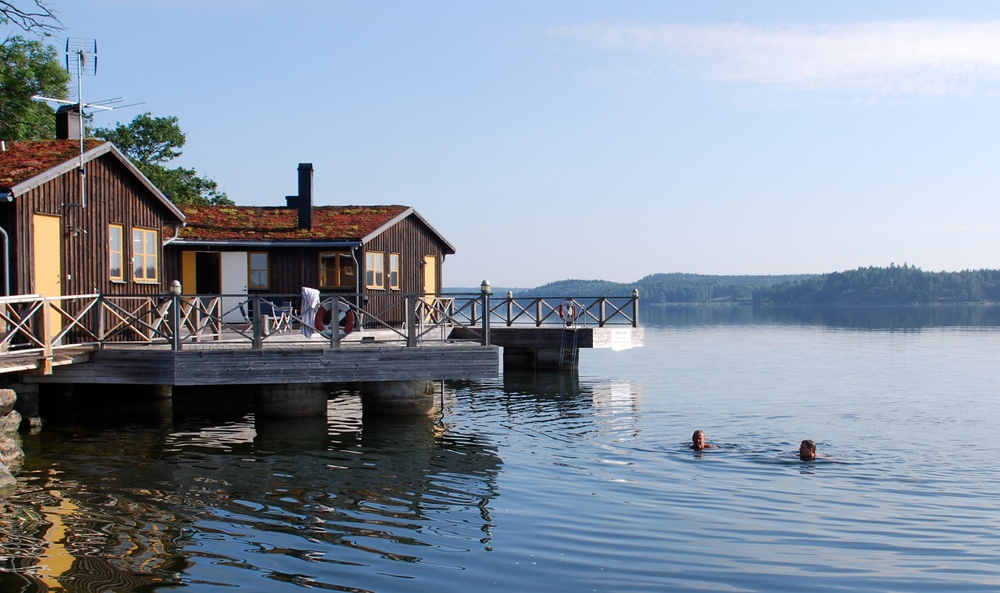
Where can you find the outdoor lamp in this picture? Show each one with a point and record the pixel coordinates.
(485, 287)
(175, 287)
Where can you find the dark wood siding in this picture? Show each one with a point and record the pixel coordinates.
(411, 239)
(113, 196)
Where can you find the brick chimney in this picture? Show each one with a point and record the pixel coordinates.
(68, 122)
(305, 201)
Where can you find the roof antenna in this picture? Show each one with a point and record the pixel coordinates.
(81, 53)
(81, 60)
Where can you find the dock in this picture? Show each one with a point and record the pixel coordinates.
(196, 340)
(234, 364)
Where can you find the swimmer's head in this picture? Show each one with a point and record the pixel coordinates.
(807, 450)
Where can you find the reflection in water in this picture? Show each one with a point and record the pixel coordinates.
(549, 482)
(195, 494)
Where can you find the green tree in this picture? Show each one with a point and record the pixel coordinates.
(151, 142)
(29, 68)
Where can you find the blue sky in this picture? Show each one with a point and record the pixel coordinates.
(554, 139)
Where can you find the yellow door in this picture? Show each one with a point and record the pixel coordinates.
(430, 274)
(430, 288)
(47, 262)
(189, 272)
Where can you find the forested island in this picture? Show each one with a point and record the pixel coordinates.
(893, 285)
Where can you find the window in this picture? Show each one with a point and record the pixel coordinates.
(116, 247)
(375, 269)
(258, 267)
(145, 251)
(336, 270)
(394, 271)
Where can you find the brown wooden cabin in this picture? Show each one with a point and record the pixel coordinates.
(375, 254)
(68, 233)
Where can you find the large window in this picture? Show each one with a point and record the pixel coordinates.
(375, 269)
(394, 271)
(336, 270)
(116, 249)
(258, 269)
(145, 250)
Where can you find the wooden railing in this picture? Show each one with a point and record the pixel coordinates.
(38, 324)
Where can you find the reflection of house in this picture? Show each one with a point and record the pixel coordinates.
(380, 252)
(65, 232)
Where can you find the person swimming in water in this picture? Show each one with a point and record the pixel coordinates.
(807, 450)
(699, 442)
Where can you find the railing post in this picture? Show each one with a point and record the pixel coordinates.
(334, 326)
(46, 324)
(175, 322)
(100, 322)
(538, 312)
(635, 308)
(258, 340)
(486, 292)
(510, 308)
(175, 315)
(411, 321)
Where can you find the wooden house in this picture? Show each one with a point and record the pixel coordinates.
(77, 222)
(376, 254)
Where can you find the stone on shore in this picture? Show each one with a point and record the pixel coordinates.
(7, 399)
(7, 479)
(11, 454)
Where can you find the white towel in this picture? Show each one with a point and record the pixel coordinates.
(310, 306)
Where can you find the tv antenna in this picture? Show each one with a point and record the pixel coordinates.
(81, 59)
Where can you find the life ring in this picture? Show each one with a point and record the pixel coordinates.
(347, 323)
(318, 323)
(567, 311)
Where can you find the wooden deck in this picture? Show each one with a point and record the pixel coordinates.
(288, 359)
(194, 340)
(238, 364)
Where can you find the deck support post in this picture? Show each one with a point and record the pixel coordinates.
(161, 391)
(397, 398)
(294, 400)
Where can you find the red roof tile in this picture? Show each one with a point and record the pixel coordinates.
(252, 223)
(24, 160)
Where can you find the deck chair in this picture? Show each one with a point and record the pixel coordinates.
(285, 312)
(275, 318)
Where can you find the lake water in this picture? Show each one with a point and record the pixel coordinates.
(556, 482)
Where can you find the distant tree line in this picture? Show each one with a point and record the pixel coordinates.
(893, 285)
(669, 288)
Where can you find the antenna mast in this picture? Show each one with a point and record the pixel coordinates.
(81, 56)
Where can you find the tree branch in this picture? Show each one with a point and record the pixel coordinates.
(36, 17)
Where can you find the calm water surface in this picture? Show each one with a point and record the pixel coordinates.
(553, 482)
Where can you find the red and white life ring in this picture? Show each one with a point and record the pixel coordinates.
(320, 318)
(567, 311)
(347, 322)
